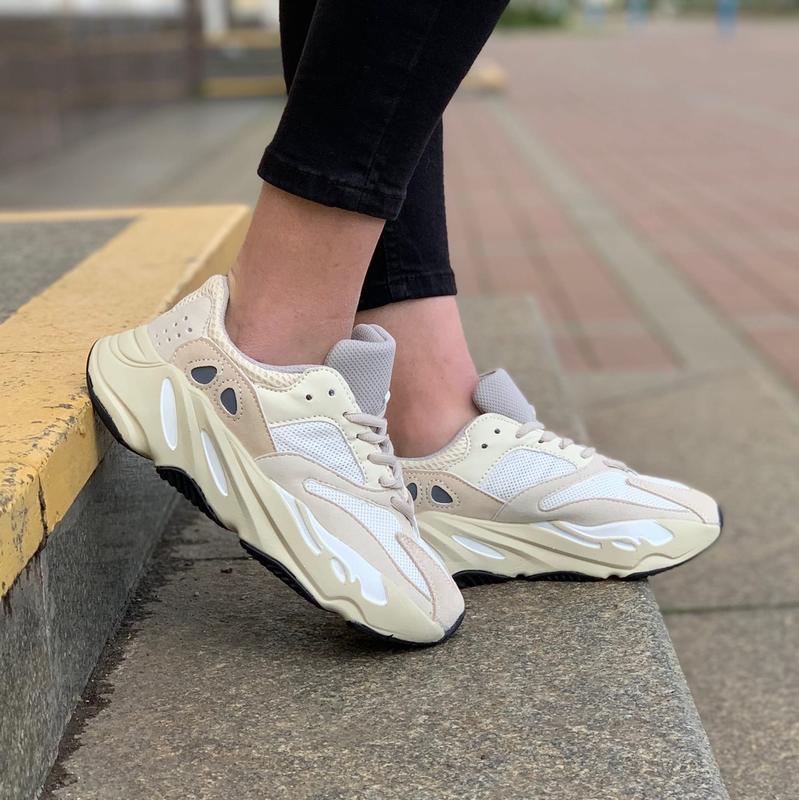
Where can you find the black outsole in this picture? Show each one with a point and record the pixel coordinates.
(185, 484)
(188, 487)
(279, 571)
(469, 578)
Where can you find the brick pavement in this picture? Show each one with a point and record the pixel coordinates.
(643, 187)
(692, 140)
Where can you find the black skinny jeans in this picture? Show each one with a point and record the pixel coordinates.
(368, 82)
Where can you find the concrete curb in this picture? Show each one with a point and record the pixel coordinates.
(49, 444)
(74, 537)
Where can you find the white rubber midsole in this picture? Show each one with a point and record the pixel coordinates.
(161, 416)
(528, 549)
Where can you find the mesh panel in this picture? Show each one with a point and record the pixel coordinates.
(522, 468)
(610, 485)
(380, 522)
(321, 441)
(365, 361)
(496, 393)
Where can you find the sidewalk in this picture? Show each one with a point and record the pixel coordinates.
(649, 203)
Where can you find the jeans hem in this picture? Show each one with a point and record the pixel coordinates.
(325, 189)
(415, 287)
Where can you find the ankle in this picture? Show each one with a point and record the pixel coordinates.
(419, 429)
(294, 287)
(275, 331)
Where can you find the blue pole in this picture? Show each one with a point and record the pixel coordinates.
(727, 16)
(594, 12)
(637, 12)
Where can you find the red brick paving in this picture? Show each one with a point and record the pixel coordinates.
(692, 140)
(508, 234)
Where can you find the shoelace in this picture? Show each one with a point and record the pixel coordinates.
(376, 433)
(550, 436)
(564, 442)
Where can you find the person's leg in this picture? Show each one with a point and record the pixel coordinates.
(431, 394)
(434, 375)
(366, 98)
(316, 253)
(295, 284)
(409, 290)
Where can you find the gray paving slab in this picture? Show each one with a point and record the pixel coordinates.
(230, 685)
(188, 152)
(735, 436)
(724, 421)
(733, 612)
(33, 254)
(55, 620)
(742, 667)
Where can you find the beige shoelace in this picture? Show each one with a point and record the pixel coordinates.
(376, 434)
(549, 436)
(563, 442)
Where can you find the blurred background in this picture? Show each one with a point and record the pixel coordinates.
(633, 168)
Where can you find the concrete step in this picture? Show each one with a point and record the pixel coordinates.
(79, 517)
(224, 683)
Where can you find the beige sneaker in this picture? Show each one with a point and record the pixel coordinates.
(295, 460)
(507, 498)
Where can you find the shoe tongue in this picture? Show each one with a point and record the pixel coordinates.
(365, 361)
(496, 393)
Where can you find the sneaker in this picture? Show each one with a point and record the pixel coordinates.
(507, 498)
(295, 460)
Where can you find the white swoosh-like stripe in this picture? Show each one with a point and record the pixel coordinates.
(379, 521)
(169, 414)
(355, 566)
(624, 535)
(478, 547)
(212, 458)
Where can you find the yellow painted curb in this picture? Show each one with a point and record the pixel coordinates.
(485, 76)
(256, 39)
(49, 441)
(243, 87)
(78, 214)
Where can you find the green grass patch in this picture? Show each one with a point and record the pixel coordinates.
(529, 15)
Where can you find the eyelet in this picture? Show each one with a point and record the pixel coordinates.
(484, 446)
(308, 397)
(331, 392)
(496, 430)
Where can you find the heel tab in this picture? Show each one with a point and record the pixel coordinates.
(191, 318)
(215, 289)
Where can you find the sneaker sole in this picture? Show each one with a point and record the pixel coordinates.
(207, 458)
(477, 552)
